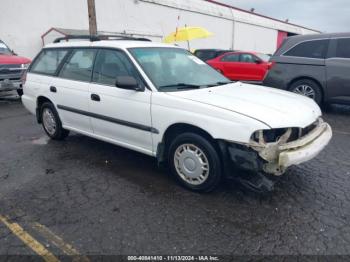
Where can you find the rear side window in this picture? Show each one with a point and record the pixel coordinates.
(79, 65)
(230, 58)
(343, 48)
(310, 49)
(48, 61)
(109, 65)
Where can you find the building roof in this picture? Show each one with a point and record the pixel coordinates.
(257, 14)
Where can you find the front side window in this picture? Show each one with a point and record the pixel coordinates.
(263, 57)
(230, 58)
(109, 65)
(343, 48)
(79, 65)
(48, 61)
(247, 58)
(310, 49)
(172, 69)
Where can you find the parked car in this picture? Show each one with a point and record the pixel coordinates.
(162, 101)
(316, 66)
(208, 54)
(243, 66)
(12, 68)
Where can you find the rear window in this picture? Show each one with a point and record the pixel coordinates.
(48, 61)
(343, 48)
(310, 49)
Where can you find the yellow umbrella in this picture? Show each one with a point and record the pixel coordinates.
(187, 33)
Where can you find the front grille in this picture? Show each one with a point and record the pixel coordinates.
(11, 72)
(301, 132)
(308, 129)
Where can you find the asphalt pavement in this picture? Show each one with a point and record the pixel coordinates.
(83, 196)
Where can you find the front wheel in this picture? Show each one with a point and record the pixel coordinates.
(308, 88)
(195, 162)
(52, 123)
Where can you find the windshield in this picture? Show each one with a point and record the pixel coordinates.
(172, 68)
(263, 57)
(4, 49)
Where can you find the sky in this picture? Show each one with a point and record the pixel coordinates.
(323, 15)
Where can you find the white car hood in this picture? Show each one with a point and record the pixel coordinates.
(276, 108)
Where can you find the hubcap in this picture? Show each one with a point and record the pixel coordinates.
(49, 121)
(191, 164)
(305, 90)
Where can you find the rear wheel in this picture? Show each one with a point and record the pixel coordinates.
(52, 123)
(308, 88)
(195, 162)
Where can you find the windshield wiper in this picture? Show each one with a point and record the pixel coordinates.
(182, 86)
(221, 83)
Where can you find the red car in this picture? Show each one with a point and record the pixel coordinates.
(247, 66)
(12, 69)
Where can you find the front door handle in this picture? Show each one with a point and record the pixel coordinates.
(95, 97)
(53, 89)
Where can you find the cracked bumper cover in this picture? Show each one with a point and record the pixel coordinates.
(297, 152)
(275, 158)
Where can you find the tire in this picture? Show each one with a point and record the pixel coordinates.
(195, 162)
(307, 86)
(51, 122)
(20, 92)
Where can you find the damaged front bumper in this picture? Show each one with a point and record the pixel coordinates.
(275, 157)
(296, 152)
(304, 150)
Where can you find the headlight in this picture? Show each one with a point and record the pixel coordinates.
(287, 134)
(268, 136)
(25, 66)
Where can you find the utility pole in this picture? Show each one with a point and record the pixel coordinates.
(92, 17)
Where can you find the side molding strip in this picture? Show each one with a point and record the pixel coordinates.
(110, 119)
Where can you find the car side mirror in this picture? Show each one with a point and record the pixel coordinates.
(13, 52)
(257, 61)
(128, 82)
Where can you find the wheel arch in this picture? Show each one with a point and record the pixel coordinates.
(179, 128)
(322, 89)
(39, 102)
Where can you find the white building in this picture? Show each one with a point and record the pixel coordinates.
(22, 23)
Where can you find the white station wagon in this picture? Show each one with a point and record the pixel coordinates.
(162, 101)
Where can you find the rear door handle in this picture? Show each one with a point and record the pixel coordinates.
(95, 97)
(53, 89)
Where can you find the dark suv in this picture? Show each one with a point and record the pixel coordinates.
(317, 66)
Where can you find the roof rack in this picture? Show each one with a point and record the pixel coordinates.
(93, 38)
